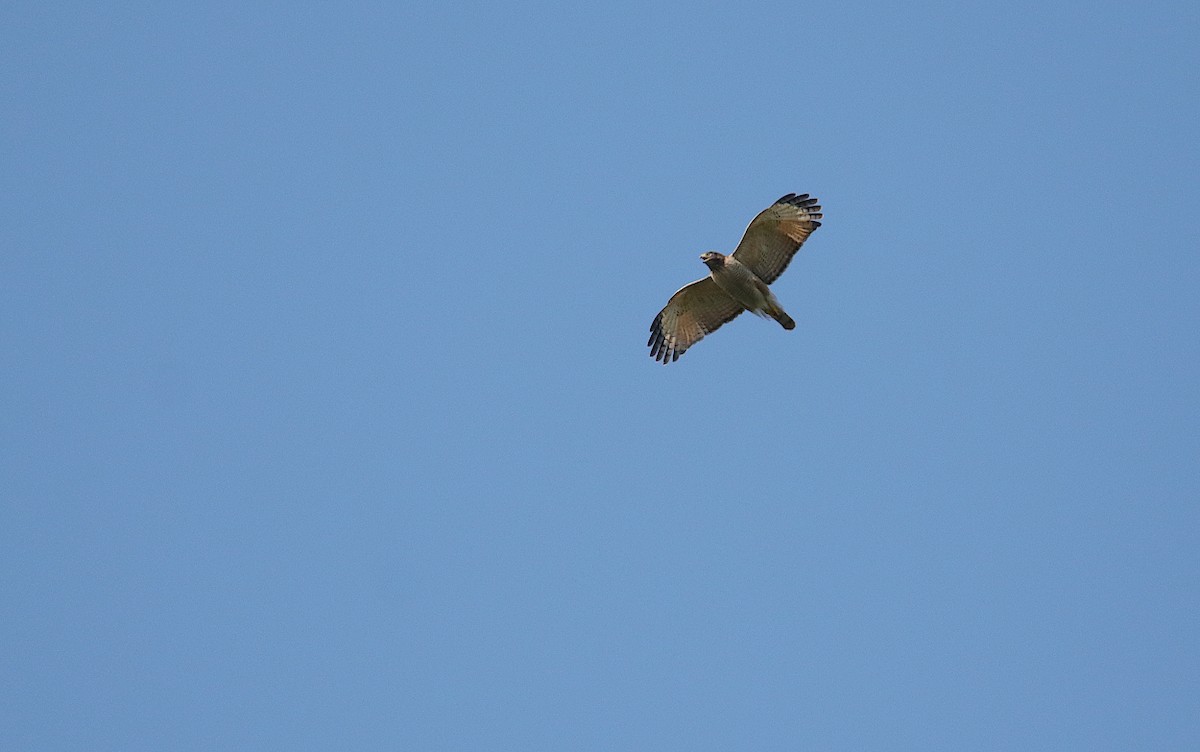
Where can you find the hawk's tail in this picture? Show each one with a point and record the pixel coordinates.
(776, 312)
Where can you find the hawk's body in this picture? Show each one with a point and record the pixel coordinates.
(744, 286)
(737, 282)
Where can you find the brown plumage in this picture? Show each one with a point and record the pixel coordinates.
(737, 282)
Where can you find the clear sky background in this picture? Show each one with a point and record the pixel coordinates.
(328, 419)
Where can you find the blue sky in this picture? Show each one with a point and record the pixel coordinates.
(329, 420)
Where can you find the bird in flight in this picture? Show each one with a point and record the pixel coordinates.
(737, 282)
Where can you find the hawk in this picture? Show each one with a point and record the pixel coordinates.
(737, 282)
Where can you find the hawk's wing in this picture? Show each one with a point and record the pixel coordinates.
(692, 312)
(776, 233)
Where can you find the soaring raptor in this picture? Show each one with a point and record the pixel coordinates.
(737, 282)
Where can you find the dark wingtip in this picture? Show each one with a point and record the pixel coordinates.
(803, 201)
(659, 349)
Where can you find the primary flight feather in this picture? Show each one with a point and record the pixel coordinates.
(737, 282)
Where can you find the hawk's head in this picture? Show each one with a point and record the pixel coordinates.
(712, 259)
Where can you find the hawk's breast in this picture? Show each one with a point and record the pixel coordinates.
(741, 284)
